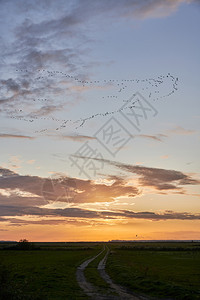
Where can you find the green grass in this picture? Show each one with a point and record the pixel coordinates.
(41, 274)
(157, 273)
(92, 274)
(162, 270)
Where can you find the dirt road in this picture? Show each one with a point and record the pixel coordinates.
(95, 292)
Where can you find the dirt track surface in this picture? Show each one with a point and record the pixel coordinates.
(94, 292)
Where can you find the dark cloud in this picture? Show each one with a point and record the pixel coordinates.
(4, 173)
(81, 191)
(168, 215)
(10, 85)
(37, 211)
(15, 199)
(10, 181)
(78, 213)
(49, 221)
(161, 179)
(34, 190)
(24, 195)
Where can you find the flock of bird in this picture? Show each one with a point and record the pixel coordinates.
(121, 85)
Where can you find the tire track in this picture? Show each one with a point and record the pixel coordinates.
(93, 291)
(121, 291)
(89, 289)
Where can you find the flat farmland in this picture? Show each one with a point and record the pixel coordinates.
(160, 270)
(48, 273)
(143, 270)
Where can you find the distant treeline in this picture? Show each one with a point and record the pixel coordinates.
(26, 245)
(136, 248)
(23, 244)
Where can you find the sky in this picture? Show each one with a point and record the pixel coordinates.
(99, 120)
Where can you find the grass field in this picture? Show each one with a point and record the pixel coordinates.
(43, 274)
(92, 274)
(161, 270)
(158, 269)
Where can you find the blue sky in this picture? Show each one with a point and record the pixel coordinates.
(66, 71)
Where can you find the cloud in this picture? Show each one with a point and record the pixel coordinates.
(10, 85)
(47, 221)
(157, 137)
(30, 162)
(33, 40)
(41, 40)
(155, 9)
(181, 131)
(10, 180)
(79, 213)
(165, 156)
(15, 136)
(64, 188)
(33, 190)
(24, 195)
(15, 198)
(6, 173)
(103, 192)
(78, 138)
(168, 215)
(45, 110)
(160, 179)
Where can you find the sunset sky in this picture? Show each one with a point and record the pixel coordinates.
(99, 120)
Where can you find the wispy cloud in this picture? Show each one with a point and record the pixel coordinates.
(157, 137)
(156, 8)
(77, 137)
(15, 136)
(165, 156)
(181, 131)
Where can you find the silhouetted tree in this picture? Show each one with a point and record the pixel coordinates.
(24, 244)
